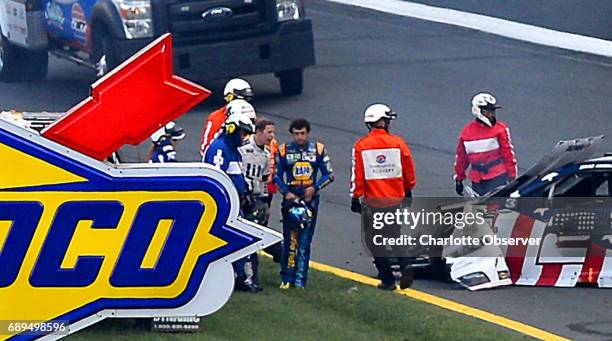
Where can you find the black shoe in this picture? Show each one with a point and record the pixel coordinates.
(241, 286)
(386, 286)
(252, 288)
(256, 288)
(407, 278)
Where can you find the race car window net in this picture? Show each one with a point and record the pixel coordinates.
(604, 189)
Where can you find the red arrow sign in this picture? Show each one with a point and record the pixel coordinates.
(128, 104)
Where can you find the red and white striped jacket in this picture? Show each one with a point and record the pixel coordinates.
(488, 152)
(212, 128)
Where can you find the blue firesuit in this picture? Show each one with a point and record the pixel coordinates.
(223, 153)
(163, 151)
(298, 168)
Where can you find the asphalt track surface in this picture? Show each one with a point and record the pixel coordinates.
(428, 73)
(584, 17)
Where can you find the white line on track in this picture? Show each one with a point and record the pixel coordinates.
(497, 26)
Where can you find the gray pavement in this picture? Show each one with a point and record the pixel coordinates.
(428, 72)
(584, 17)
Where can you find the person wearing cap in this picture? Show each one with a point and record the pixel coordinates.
(485, 147)
(383, 176)
(164, 141)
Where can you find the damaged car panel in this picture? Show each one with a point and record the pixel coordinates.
(564, 202)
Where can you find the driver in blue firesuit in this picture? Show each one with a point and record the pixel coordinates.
(223, 153)
(164, 141)
(303, 169)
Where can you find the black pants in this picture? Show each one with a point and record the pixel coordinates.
(384, 258)
(485, 186)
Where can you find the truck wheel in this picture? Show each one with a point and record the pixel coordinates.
(19, 64)
(291, 82)
(8, 60)
(38, 62)
(108, 50)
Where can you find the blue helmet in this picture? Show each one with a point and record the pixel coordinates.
(300, 214)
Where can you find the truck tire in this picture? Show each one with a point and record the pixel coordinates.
(105, 46)
(19, 64)
(291, 82)
(8, 60)
(109, 49)
(38, 62)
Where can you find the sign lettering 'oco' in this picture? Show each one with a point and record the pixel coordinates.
(81, 240)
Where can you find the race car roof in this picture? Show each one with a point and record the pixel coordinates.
(565, 152)
(607, 158)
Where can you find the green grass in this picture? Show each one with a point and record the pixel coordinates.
(330, 308)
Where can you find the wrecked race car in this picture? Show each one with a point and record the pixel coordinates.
(552, 226)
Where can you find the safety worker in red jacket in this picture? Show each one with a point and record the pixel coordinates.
(485, 147)
(236, 88)
(383, 175)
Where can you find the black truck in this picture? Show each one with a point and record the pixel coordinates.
(212, 39)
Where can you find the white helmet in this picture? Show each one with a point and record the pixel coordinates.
(237, 88)
(170, 130)
(483, 101)
(240, 106)
(375, 112)
(239, 121)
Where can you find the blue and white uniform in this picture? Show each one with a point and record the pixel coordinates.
(300, 167)
(163, 151)
(223, 153)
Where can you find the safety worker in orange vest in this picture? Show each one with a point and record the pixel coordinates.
(383, 175)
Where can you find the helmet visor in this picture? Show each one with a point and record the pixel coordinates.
(247, 128)
(489, 107)
(176, 133)
(246, 94)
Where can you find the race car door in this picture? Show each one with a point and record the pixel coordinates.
(571, 216)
